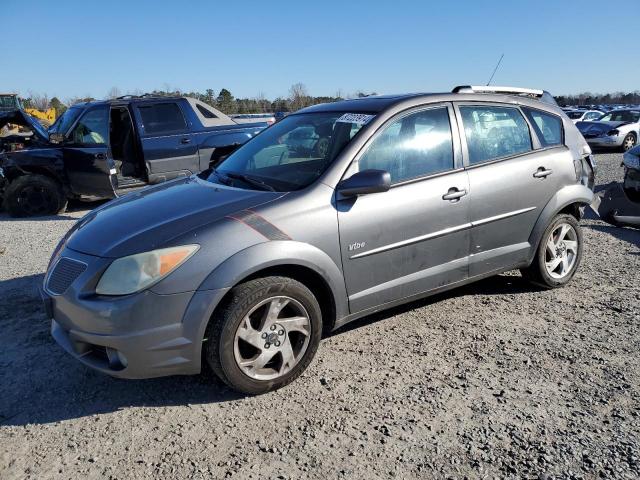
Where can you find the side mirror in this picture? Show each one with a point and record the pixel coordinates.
(56, 138)
(364, 182)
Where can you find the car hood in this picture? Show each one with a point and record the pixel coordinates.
(598, 127)
(19, 117)
(152, 217)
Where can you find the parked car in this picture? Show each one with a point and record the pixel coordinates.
(109, 148)
(616, 129)
(583, 115)
(619, 204)
(244, 268)
(254, 117)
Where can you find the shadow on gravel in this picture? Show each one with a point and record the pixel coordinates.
(504, 284)
(74, 206)
(626, 234)
(41, 384)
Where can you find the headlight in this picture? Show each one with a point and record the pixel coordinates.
(131, 274)
(613, 133)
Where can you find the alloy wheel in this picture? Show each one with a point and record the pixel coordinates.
(629, 143)
(561, 251)
(272, 338)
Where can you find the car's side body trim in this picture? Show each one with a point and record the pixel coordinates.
(440, 233)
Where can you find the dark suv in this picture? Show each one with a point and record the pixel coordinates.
(108, 148)
(387, 199)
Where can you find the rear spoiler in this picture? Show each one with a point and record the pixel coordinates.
(541, 95)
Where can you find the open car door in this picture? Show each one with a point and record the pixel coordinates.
(90, 169)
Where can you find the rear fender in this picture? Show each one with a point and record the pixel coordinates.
(571, 194)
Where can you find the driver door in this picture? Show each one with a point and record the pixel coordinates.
(87, 161)
(415, 237)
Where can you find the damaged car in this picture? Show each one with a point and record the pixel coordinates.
(618, 129)
(106, 149)
(619, 204)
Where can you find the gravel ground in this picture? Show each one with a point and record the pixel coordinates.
(496, 379)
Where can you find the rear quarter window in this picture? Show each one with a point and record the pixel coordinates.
(548, 127)
(162, 118)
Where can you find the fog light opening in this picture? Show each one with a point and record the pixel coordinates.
(117, 361)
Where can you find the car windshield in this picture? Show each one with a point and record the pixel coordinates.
(291, 154)
(621, 116)
(575, 115)
(63, 122)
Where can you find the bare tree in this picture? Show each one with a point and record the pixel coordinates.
(114, 92)
(262, 104)
(39, 101)
(298, 96)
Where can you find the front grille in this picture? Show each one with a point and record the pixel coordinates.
(64, 274)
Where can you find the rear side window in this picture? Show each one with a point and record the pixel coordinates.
(416, 145)
(162, 118)
(494, 132)
(205, 113)
(548, 127)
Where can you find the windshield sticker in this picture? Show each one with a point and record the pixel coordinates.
(358, 118)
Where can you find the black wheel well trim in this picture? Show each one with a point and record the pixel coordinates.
(17, 172)
(303, 274)
(573, 207)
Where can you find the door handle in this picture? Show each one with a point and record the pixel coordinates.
(454, 194)
(100, 156)
(542, 173)
(185, 141)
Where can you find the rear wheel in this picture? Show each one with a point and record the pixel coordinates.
(265, 335)
(558, 255)
(629, 142)
(33, 195)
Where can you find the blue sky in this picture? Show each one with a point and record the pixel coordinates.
(69, 48)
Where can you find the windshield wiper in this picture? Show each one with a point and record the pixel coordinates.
(250, 180)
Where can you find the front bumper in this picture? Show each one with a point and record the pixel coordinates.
(142, 335)
(607, 141)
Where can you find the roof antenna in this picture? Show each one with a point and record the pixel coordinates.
(495, 70)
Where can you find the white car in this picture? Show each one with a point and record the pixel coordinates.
(583, 115)
(616, 129)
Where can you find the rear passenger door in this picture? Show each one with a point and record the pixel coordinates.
(512, 176)
(414, 237)
(168, 146)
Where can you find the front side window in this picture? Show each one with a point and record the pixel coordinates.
(290, 154)
(63, 122)
(548, 126)
(494, 132)
(162, 118)
(92, 128)
(416, 145)
(575, 115)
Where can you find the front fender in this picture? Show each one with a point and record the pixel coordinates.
(280, 253)
(564, 197)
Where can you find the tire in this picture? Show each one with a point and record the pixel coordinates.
(32, 195)
(567, 242)
(245, 350)
(629, 142)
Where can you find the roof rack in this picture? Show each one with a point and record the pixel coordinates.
(144, 95)
(541, 95)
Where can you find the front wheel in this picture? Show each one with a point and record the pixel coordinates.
(558, 255)
(629, 142)
(264, 335)
(34, 195)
